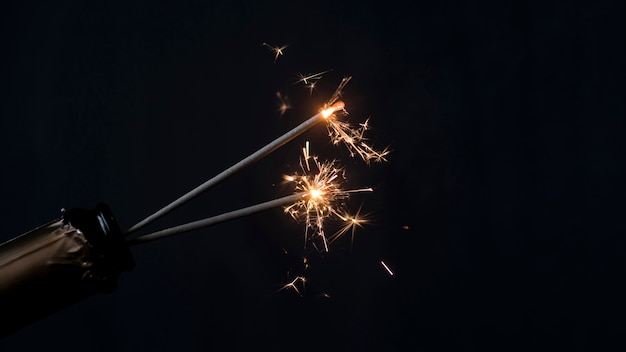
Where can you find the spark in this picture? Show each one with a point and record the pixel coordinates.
(213, 220)
(386, 268)
(306, 79)
(311, 87)
(322, 181)
(293, 285)
(343, 132)
(338, 91)
(354, 139)
(278, 50)
(283, 104)
(350, 224)
(310, 80)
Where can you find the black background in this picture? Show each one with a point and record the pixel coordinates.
(500, 209)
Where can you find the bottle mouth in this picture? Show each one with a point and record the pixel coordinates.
(100, 228)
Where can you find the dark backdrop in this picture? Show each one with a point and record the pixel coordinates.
(500, 210)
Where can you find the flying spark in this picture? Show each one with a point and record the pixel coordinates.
(283, 104)
(311, 87)
(386, 268)
(306, 79)
(329, 109)
(350, 224)
(278, 50)
(310, 81)
(293, 285)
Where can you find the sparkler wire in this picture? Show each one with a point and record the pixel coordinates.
(256, 156)
(219, 218)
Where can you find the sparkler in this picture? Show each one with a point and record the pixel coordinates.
(283, 104)
(316, 192)
(325, 114)
(350, 224)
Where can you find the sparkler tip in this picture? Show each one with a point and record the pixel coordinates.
(337, 106)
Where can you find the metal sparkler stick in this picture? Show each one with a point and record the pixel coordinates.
(256, 156)
(219, 218)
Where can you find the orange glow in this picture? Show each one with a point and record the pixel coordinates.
(340, 105)
(316, 193)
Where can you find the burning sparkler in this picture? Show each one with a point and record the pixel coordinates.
(350, 224)
(353, 138)
(218, 218)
